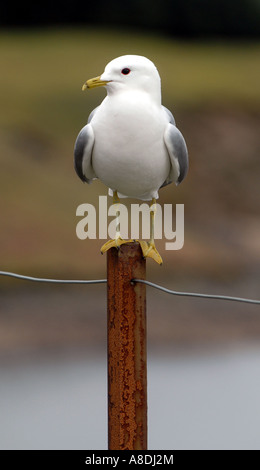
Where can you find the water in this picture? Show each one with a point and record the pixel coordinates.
(195, 402)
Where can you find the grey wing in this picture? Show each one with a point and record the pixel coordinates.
(92, 114)
(178, 153)
(169, 115)
(83, 154)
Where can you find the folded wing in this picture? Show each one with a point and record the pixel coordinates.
(178, 154)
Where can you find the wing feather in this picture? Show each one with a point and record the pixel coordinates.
(83, 151)
(178, 153)
(169, 115)
(83, 154)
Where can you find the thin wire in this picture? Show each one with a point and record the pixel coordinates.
(148, 283)
(56, 281)
(191, 294)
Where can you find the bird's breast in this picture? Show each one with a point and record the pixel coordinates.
(129, 152)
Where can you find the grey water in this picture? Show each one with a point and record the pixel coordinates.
(195, 401)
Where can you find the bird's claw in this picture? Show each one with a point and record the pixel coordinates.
(116, 243)
(148, 248)
(149, 251)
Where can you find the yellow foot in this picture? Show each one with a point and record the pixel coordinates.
(149, 251)
(114, 244)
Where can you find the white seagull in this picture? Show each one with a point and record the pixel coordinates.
(131, 142)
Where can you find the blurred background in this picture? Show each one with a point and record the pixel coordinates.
(203, 355)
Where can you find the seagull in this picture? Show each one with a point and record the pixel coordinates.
(131, 142)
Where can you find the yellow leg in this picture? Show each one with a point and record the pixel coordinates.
(118, 241)
(148, 249)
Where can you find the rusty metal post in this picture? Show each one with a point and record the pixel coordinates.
(127, 376)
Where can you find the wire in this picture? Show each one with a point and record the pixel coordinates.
(142, 281)
(56, 281)
(191, 294)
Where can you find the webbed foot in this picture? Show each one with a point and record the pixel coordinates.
(116, 243)
(149, 251)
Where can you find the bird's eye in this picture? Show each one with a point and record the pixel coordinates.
(125, 71)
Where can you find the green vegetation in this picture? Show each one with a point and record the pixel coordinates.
(42, 73)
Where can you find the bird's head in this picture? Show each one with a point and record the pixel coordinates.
(126, 73)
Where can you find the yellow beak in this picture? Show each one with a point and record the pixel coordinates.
(93, 83)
